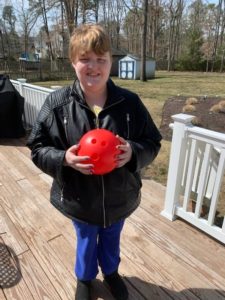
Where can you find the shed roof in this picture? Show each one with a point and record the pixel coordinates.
(135, 57)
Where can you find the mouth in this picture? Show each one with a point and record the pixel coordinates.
(93, 78)
(93, 75)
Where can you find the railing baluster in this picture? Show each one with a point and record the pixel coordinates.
(217, 186)
(198, 167)
(186, 165)
(203, 180)
(190, 174)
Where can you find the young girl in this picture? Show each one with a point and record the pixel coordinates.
(97, 204)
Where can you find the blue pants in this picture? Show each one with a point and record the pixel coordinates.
(97, 246)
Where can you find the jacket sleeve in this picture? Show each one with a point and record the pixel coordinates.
(44, 152)
(147, 144)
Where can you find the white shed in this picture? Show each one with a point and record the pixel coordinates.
(130, 67)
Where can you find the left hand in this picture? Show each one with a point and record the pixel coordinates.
(126, 153)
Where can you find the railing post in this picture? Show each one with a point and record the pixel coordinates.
(176, 164)
(21, 81)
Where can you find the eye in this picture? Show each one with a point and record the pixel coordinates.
(83, 59)
(101, 60)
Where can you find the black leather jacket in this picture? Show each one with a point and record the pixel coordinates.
(62, 121)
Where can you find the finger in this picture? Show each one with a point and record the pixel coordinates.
(74, 148)
(122, 156)
(84, 166)
(122, 140)
(82, 170)
(86, 172)
(119, 159)
(82, 158)
(122, 148)
(74, 161)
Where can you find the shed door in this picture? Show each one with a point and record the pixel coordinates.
(127, 69)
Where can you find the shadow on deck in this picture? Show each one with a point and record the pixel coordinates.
(160, 259)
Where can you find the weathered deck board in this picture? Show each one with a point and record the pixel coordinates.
(14, 286)
(36, 278)
(160, 259)
(197, 242)
(10, 234)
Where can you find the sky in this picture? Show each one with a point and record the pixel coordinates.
(212, 1)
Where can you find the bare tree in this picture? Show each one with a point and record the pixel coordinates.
(217, 33)
(175, 12)
(144, 38)
(71, 8)
(42, 4)
(113, 17)
(2, 44)
(27, 18)
(208, 27)
(8, 27)
(166, 30)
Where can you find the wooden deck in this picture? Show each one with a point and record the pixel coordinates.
(160, 259)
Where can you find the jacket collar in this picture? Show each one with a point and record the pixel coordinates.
(113, 93)
(77, 91)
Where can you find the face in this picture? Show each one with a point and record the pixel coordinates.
(93, 71)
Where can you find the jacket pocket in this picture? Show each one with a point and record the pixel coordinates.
(121, 180)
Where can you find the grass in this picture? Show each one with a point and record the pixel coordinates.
(155, 92)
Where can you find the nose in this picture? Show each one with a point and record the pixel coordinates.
(92, 63)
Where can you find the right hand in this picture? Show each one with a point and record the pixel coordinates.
(74, 161)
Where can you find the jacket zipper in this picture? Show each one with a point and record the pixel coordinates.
(96, 122)
(128, 126)
(103, 202)
(102, 183)
(102, 178)
(62, 189)
(65, 122)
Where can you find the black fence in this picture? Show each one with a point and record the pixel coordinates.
(37, 70)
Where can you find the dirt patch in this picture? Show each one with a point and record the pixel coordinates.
(204, 117)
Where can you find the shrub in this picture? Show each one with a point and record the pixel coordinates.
(191, 101)
(215, 108)
(196, 121)
(222, 106)
(188, 108)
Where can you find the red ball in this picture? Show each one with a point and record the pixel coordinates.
(100, 145)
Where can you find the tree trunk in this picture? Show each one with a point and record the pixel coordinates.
(144, 37)
(45, 20)
(222, 62)
(70, 7)
(3, 49)
(216, 34)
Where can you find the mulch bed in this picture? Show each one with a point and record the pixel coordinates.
(209, 120)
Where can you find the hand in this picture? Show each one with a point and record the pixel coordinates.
(77, 162)
(126, 152)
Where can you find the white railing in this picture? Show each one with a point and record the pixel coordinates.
(196, 173)
(34, 98)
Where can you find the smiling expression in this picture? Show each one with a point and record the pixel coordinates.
(93, 71)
